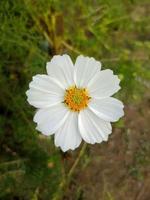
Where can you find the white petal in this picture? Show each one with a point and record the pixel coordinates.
(109, 109)
(85, 69)
(92, 128)
(68, 136)
(44, 92)
(61, 68)
(104, 84)
(50, 119)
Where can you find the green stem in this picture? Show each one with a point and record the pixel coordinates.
(76, 161)
(65, 182)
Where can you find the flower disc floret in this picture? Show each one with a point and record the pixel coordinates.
(76, 98)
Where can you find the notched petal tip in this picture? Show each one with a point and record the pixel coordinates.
(43, 132)
(66, 149)
(63, 147)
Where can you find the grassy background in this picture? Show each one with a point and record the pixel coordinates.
(117, 32)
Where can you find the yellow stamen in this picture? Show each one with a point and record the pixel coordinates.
(76, 98)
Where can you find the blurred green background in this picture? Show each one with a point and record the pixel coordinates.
(116, 32)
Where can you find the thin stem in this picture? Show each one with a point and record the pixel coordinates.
(76, 161)
(65, 182)
(71, 48)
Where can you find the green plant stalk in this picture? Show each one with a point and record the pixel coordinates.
(66, 181)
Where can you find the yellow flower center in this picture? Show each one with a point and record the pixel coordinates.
(76, 98)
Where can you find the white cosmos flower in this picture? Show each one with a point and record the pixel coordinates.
(74, 101)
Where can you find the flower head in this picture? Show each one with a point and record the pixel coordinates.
(74, 101)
